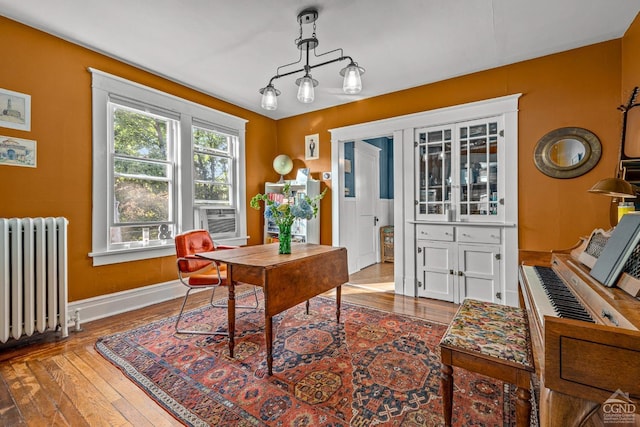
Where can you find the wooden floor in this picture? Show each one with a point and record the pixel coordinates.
(67, 383)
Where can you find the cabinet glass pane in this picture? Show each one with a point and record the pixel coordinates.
(434, 169)
(478, 168)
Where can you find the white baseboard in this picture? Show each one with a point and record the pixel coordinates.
(120, 302)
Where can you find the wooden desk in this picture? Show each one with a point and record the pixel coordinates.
(287, 280)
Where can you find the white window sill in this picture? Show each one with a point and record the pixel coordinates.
(138, 251)
(132, 254)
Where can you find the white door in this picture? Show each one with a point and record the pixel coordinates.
(367, 180)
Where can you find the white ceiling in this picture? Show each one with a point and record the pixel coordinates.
(231, 48)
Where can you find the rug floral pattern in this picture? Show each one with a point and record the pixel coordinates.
(374, 368)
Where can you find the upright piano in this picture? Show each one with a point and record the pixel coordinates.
(585, 338)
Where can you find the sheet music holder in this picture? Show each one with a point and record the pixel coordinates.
(623, 240)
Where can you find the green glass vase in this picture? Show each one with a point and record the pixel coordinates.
(284, 239)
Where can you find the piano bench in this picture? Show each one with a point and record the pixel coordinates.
(492, 340)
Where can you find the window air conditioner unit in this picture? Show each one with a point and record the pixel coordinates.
(219, 222)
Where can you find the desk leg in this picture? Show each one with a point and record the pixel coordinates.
(446, 381)
(231, 312)
(268, 333)
(338, 297)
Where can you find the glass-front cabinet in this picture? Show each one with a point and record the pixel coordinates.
(458, 171)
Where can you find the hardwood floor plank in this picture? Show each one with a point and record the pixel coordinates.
(9, 413)
(87, 399)
(128, 390)
(42, 400)
(66, 408)
(22, 396)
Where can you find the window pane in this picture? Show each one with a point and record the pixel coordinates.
(211, 168)
(138, 134)
(137, 234)
(209, 140)
(212, 192)
(138, 201)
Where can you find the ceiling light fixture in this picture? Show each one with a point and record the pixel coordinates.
(352, 83)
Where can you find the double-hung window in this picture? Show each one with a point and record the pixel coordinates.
(142, 146)
(161, 165)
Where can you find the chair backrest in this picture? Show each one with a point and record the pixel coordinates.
(190, 243)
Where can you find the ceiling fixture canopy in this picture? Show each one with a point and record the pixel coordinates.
(352, 83)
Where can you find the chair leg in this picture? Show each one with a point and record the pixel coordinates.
(224, 305)
(185, 331)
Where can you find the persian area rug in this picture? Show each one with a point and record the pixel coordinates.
(373, 369)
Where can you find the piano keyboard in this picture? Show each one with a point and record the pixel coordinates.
(552, 296)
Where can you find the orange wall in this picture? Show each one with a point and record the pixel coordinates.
(575, 88)
(54, 73)
(580, 88)
(631, 79)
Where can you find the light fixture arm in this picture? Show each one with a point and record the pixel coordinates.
(307, 67)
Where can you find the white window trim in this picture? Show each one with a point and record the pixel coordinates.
(104, 84)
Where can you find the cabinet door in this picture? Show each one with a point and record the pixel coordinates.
(480, 154)
(479, 276)
(435, 265)
(433, 166)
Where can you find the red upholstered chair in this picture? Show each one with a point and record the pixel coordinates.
(199, 273)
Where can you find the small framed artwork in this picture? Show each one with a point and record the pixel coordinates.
(17, 152)
(15, 110)
(312, 147)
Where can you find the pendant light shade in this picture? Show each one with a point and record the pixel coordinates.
(306, 93)
(269, 97)
(352, 82)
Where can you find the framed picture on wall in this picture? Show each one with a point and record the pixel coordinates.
(18, 152)
(15, 110)
(312, 147)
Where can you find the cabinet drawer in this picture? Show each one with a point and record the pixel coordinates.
(434, 232)
(479, 234)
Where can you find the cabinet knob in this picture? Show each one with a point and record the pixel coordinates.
(460, 273)
(451, 272)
